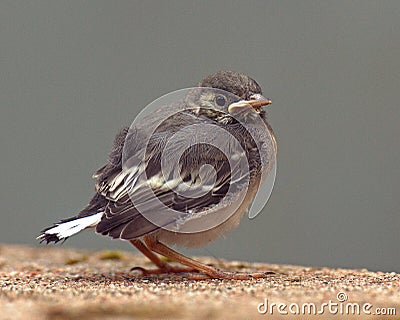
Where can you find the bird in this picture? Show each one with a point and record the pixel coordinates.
(187, 200)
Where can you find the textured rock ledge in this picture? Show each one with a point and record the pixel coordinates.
(58, 283)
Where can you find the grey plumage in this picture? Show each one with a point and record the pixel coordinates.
(117, 186)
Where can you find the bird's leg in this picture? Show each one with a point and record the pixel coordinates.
(210, 272)
(162, 266)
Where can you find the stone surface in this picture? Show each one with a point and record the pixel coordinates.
(58, 283)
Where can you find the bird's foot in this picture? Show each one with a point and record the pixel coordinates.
(193, 274)
(168, 269)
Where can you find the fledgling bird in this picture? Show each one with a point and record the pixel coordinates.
(123, 206)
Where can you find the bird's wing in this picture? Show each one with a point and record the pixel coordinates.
(139, 204)
(141, 198)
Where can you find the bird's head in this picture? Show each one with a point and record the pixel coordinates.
(231, 93)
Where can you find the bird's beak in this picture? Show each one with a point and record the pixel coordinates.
(256, 102)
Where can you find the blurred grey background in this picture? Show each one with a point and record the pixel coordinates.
(73, 72)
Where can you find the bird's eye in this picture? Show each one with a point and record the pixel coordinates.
(220, 100)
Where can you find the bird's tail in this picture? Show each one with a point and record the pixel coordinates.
(66, 228)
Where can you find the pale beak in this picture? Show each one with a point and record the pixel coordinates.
(256, 102)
